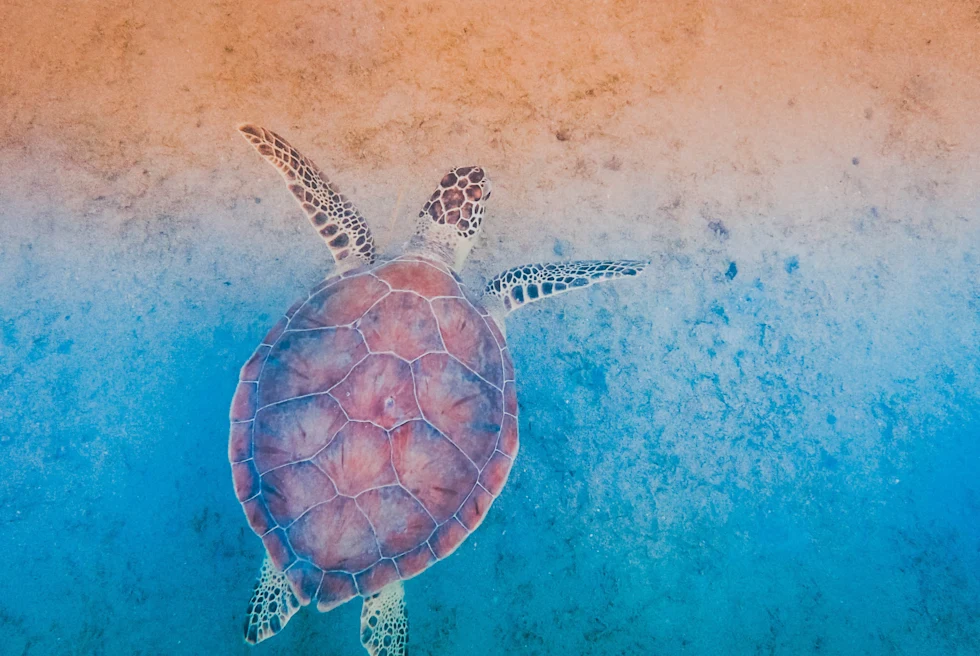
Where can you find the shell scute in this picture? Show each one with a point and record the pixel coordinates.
(246, 479)
(510, 398)
(337, 536)
(475, 508)
(494, 475)
(468, 338)
(305, 580)
(295, 307)
(243, 404)
(460, 404)
(401, 323)
(294, 430)
(432, 468)
(339, 304)
(277, 546)
(291, 490)
(258, 515)
(379, 389)
(508, 437)
(335, 589)
(309, 362)
(419, 277)
(250, 372)
(275, 332)
(240, 442)
(415, 561)
(448, 537)
(376, 577)
(508, 363)
(358, 458)
(400, 522)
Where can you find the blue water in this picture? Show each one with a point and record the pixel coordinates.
(764, 446)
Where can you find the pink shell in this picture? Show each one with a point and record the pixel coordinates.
(373, 428)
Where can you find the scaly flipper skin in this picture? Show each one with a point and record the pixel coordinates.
(332, 215)
(532, 282)
(384, 622)
(271, 606)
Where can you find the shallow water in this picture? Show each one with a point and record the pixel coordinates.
(767, 444)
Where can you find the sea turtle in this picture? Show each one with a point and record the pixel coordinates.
(377, 421)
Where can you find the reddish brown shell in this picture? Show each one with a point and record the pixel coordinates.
(373, 428)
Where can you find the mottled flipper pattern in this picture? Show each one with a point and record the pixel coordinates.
(273, 603)
(531, 282)
(332, 215)
(384, 622)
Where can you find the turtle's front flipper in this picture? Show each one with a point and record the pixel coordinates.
(532, 282)
(273, 603)
(332, 215)
(384, 622)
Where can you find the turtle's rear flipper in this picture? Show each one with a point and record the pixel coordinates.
(332, 215)
(273, 603)
(384, 622)
(532, 282)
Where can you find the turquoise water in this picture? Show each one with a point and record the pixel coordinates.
(763, 446)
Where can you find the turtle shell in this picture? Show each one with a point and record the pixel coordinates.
(373, 428)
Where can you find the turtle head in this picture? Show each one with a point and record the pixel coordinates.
(450, 221)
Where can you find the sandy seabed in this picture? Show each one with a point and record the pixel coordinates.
(766, 445)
